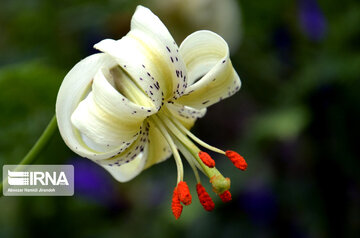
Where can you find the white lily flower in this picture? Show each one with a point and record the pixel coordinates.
(132, 106)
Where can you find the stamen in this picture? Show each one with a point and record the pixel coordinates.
(176, 206)
(236, 159)
(204, 198)
(193, 149)
(175, 152)
(219, 183)
(190, 159)
(225, 196)
(206, 159)
(192, 136)
(184, 193)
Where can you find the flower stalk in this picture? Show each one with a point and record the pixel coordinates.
(38, 147)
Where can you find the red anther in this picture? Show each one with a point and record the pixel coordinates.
(204, 198)
(225, 196)
(176, 206)
(184, 193)
(206, 159)
(236, 159)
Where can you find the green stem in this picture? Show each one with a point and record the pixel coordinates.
(38, 147)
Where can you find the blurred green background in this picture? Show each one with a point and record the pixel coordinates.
(295, 120)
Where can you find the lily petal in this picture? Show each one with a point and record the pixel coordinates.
(73, 88)
(211, 74)
(127, 166)
(128, 171)
(75, 85)
(149, 52)
(108, 118)
(128, 163)
(136, 63)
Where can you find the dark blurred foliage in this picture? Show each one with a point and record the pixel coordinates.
(295, 120)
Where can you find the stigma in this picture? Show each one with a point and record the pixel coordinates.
(180, 139)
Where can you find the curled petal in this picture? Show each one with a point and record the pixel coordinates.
(106, 117)
(135, 61)
(74, 86)
(149, 52)
(103, 105)
(129, 162)
(211, 74)
(128, 170)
